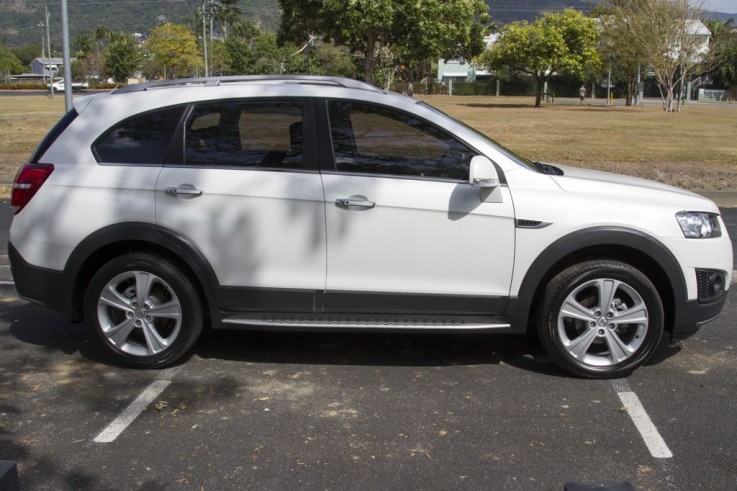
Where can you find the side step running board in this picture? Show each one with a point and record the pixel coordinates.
(364, 322)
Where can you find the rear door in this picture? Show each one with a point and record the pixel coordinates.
(246, 193)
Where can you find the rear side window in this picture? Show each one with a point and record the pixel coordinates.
(142, 139)
(264, 134)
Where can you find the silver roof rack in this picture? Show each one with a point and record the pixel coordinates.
(217, 81)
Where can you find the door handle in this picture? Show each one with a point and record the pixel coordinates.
(176, 191)
(354, 202)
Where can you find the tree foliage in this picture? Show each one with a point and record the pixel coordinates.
(121, 56)
(661, 30)
(9, 63)
(171, 51)
(723, 52)
(387, 33)
(561, 42)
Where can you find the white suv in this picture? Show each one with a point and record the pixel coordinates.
(291, 202)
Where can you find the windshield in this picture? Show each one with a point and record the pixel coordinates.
(507, 152)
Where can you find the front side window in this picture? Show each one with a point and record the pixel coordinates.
(143, 139)
(265, 133)
(372, 139)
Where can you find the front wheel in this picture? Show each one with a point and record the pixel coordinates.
(600, 319)
(145, 310)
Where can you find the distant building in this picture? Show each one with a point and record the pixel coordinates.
(460, 69)
(47, 67)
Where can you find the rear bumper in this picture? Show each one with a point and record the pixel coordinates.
(39, 285)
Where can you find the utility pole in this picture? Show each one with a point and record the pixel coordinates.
(48, 50)
(204, 39)
(67, 56)
(43, 51)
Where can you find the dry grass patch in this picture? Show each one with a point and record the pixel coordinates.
(24, 121)
(694, 149)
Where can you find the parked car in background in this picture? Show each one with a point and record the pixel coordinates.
(319, 203)
(60, 86)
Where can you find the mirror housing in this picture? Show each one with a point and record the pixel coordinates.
(482, 173)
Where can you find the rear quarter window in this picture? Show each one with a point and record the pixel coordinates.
(142, 139)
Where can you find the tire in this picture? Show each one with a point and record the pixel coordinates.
(149, 330)
(591, 335)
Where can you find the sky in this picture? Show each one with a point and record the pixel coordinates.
(728, 6)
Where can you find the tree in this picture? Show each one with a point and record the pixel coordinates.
(299, 20)
(121, 56)
(251, 50)
(561, 42)
(171, 51)
(9, 63)
(662, 31)
(228, 14)
(387, 33)
(617, 49)
(723, 52)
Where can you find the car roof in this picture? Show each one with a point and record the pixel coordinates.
(249, 79)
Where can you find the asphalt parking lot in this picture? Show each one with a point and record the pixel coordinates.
(360, 411)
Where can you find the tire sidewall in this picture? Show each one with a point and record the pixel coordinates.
(567, 281)
(180, 284)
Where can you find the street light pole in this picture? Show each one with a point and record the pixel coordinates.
(67, 56)
(48, 51)
(43, 51)
(204, 39)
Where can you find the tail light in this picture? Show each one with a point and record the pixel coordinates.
(29, 179)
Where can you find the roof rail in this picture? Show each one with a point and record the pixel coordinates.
(217, 81)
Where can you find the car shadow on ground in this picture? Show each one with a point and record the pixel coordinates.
(35, 326)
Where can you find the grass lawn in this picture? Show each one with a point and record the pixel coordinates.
(694, 149)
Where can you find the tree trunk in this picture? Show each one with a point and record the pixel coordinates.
(539, 91)
(370, 44)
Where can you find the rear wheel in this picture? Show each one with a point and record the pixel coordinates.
(146, 312)
(600, 319)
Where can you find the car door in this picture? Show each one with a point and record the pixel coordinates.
(245, 192)
(406, 232)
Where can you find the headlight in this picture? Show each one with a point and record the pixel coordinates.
(698, 225)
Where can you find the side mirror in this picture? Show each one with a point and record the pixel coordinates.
(482, 173)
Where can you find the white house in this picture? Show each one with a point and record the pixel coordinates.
(460, 69)
(47, 66)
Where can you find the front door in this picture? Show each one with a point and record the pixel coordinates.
(406, 232)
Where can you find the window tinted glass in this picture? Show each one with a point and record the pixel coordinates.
(246, 134)
(143, 139)
(373, 139)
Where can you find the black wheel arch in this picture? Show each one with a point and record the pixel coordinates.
(630, 246)
(114, 240)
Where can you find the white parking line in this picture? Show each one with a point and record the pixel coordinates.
(7, 283)
(136, 407)
(642, 421)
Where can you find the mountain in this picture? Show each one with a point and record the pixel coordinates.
(19, 19)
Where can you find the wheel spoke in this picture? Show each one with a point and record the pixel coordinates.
(573, 309)
(144, 283)
(169, 310)
(579, 346)
(111, 297)
(119, 334)
(154, 342)
(618, 349)
(635, 315)
(607, 291)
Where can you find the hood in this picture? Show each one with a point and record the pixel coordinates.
(586, 181)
